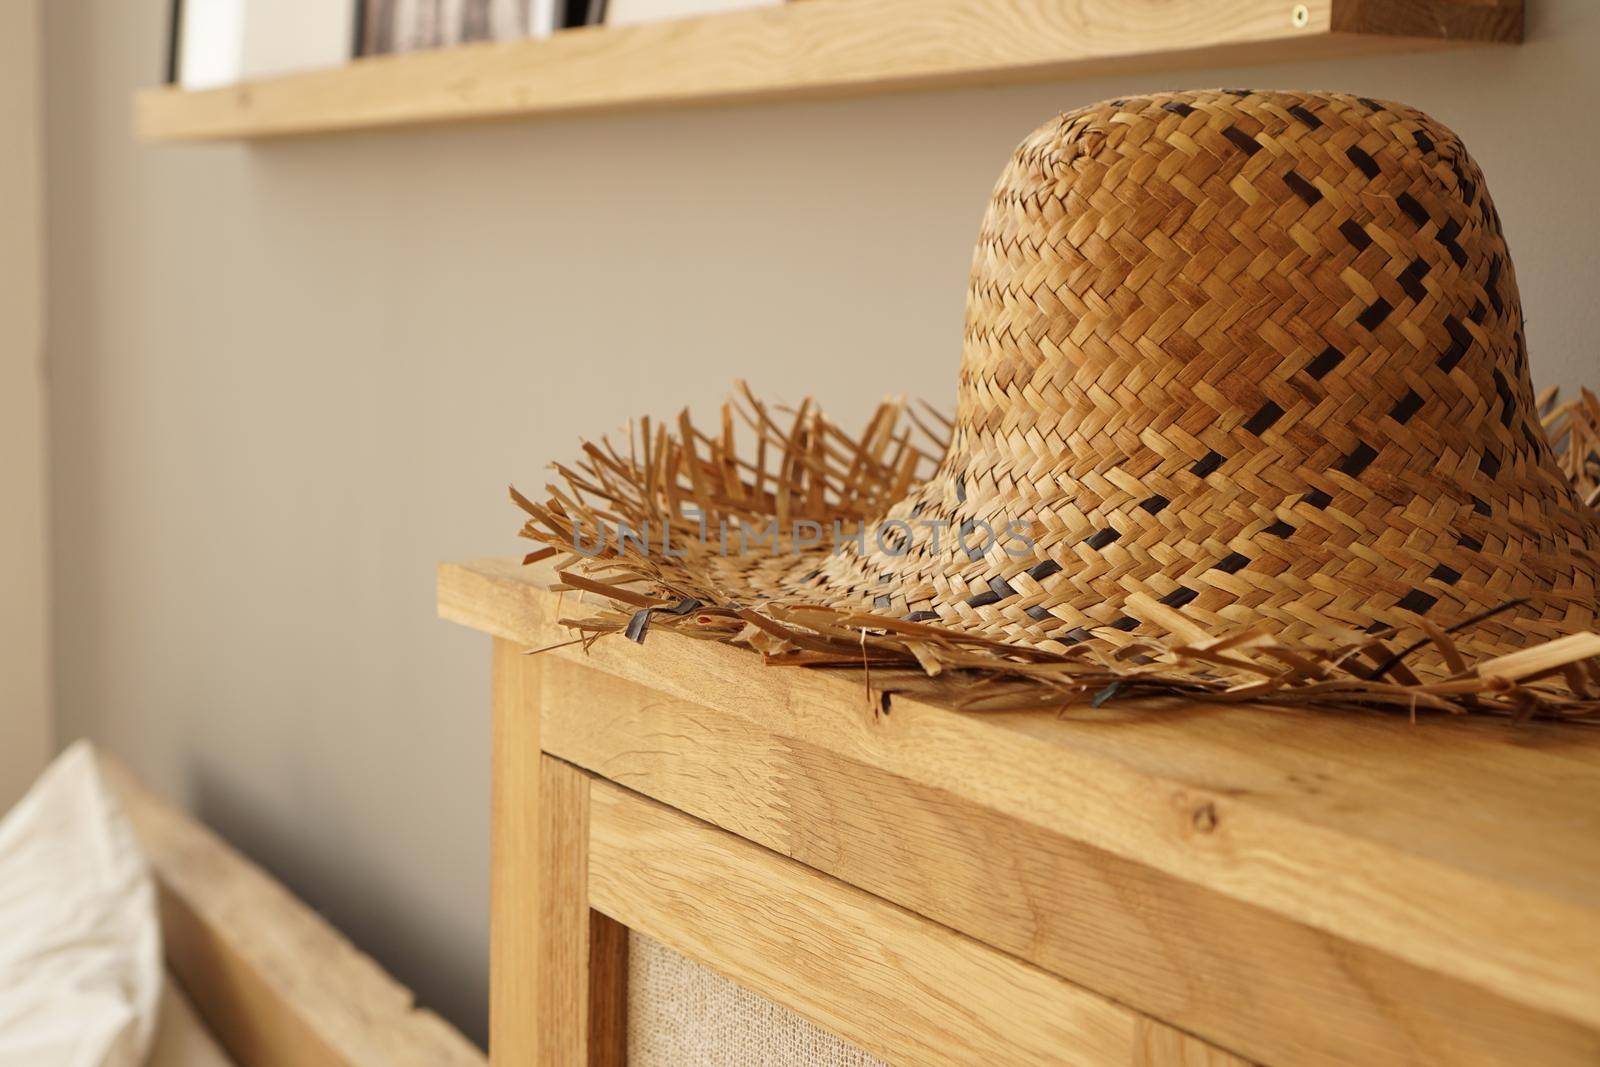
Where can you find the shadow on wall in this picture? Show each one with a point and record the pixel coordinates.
(383, 928)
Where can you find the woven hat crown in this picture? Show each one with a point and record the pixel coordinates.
(1254, 355)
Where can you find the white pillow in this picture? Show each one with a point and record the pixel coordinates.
(80, 940)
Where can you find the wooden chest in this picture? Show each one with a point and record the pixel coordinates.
(1138, 885)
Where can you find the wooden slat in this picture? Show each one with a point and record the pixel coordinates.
(562, 899)
(894, 984)
(820, 47)
(1167, 947)
(276, 984)
(608, 991)
(558, 971)
(1469, 849)
(515, 830)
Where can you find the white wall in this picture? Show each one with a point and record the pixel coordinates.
(287, 378)
(25, 723)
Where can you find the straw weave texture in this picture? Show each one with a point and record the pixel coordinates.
(1260, 357)
(1234, 363)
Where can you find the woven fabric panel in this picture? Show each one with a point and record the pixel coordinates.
(681, 1014)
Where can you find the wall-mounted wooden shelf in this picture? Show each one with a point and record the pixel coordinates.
(816, 48)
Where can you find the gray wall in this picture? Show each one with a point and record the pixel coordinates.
(287, 378)
(25, 725)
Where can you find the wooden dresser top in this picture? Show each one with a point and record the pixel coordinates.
(1467, 847)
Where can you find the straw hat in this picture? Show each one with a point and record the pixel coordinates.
(1243, 407)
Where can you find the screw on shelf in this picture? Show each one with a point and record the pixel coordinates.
(1300, 17)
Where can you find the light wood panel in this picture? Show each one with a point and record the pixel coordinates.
(1167, 947)
(820, 47)
(560, 893)
(1469, 849)
(558, 971)
(515, 832)
(276, 984)
(882, 978)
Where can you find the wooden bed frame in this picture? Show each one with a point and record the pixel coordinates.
(1131, 886)
(277, 985)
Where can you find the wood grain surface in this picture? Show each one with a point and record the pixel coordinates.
(821, 47)
(1396, 880)
(884, 979)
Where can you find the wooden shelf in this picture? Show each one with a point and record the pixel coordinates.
(815, 48)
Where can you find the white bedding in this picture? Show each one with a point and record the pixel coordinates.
(80, 941)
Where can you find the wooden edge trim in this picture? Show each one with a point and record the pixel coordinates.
(885, 979)
(276, 983)
(514, 845)
(561, 899)
(558, 971)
